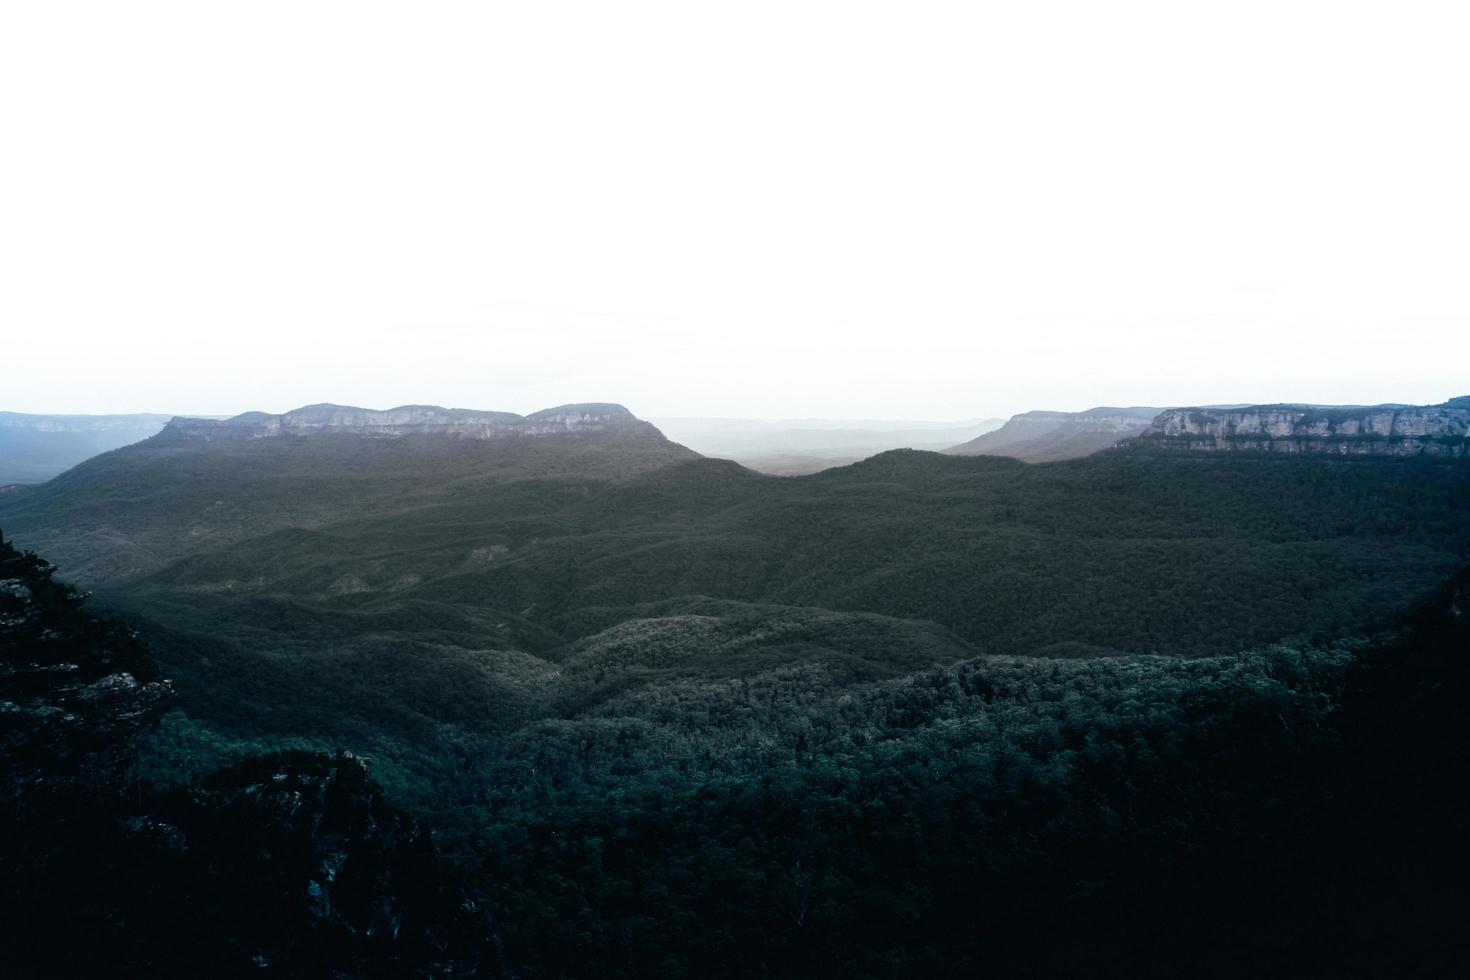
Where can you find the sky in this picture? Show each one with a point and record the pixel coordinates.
(844, 210)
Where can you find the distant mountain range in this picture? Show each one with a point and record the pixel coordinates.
(210, 482)
(792, 447)
(587, 506)
(1040, 437)
(1352, 430)
(409, 420)
(34, 448)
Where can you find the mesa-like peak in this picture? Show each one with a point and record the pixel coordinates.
(408, 420)
(1342, 430)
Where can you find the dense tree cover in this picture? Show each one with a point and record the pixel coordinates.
(424, 635)
(1129, 551)
(921, 715)
(136, 509)
(1289, 811)
(774, 831)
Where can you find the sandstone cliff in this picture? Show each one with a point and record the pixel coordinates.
(411, 420)
(1380, 430)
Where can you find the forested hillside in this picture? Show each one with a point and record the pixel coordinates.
(1279, 812)
(426, 601)
(203, 484)
(1125, 552)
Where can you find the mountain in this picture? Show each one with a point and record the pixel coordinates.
(1040, 437)
(1343, 430)
(202, 483)
(920, 715)
(794, 447)
(412, 420)
(428, 601)
(34, 448)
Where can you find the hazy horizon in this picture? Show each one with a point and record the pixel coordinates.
(776, 421)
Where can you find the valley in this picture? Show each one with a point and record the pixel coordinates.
(35, 448)
(645, 698)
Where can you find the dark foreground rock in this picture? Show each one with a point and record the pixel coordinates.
(289, 864)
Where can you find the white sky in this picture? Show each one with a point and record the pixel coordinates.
(904, 210)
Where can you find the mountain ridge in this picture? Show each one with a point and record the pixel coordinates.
(1441, 431)
(403, 420)
(212, 482)
(519, 630)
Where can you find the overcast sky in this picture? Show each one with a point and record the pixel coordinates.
(901, 210)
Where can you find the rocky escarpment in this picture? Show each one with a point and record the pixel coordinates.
(1044, 436)
(76, 693)
(1441, 431)
(409, 420)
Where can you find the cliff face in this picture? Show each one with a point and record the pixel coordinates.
(409, 420)
(1379, 430)
(1109, 420)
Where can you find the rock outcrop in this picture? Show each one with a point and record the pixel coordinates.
(1441, 431)
(289, 864)
(408, 420)
(76, 693)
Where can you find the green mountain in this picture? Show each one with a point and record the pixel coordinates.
(371, 581)
(205, 483)
(921, 715)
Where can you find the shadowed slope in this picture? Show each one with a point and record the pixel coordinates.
(203, 483)
(1040, 437)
